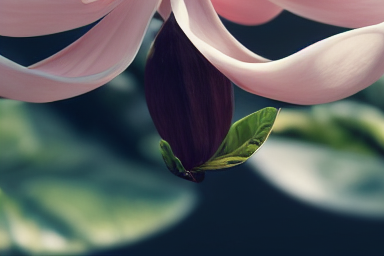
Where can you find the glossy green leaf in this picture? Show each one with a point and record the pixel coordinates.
(244, 138)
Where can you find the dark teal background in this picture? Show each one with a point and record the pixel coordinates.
(239, 213)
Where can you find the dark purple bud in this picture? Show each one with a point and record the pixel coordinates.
(190, 101)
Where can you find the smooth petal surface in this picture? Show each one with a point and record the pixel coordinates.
(344, 13)
(40, 17)
(165, 9)
(201, 23)
(247, 12)
(91, 61)
(329, 70)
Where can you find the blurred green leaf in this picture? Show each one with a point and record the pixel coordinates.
(337, 180)
(373, 94)
(332, 158)
(63, 194)
(13, 122)
(343, 125)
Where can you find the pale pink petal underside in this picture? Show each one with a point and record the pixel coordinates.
(165, 9)
(247, 12)
(345, 13)
(21, 18)
(212, 30)
(89, 1)
(91, 61)
(329, 70)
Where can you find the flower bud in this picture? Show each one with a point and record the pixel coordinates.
(190, 101)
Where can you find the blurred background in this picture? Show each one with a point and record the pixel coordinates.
(84, 176)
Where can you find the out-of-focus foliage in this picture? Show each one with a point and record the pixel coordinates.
(62, 194)
(374, 93)
(344, 125)
(337, 162)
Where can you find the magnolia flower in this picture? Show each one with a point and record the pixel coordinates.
(325, 71)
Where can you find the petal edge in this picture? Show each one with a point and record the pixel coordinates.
(329, 70)
(84, 65)
(344, 13)
(247, 12)
(23, 18)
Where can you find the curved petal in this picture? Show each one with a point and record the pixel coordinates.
(40, 17)
(344, 13)
(93, 60)
(329, 70)
(208, 26)
(165, 9)
(247, 12)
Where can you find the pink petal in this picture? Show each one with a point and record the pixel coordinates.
(40, 17)
(91, 61)
(329, 70)
(165, 9)
(345, 13)
(247, 12)
(88, 1)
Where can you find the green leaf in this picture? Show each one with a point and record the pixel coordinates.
(244, 138)
(175, 166)
(173, 163)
